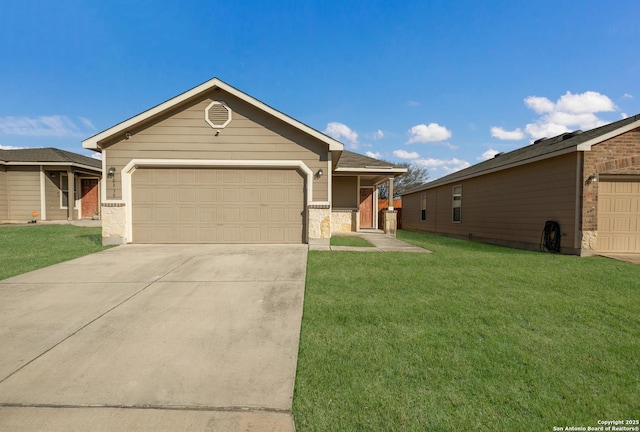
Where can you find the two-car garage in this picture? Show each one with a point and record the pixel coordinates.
(217, 205)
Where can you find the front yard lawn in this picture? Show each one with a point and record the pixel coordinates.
(471, 337)
(26, 248)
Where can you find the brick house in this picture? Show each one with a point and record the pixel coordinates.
(587, 182)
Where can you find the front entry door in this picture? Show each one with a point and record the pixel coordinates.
(366, 208)
(89, 190)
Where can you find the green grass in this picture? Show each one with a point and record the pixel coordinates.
(349, 240)
(26, 248)
(471, 337)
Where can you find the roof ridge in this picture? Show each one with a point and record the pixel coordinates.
(63, 153)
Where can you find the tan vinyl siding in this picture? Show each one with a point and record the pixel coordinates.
(507, 207)
(23, 192)
(184, 134)
(3, 194)
(345, 192)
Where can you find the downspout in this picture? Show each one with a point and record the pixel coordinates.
(579, 212)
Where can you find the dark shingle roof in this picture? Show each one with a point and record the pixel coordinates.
(355, 160)
(540, 148)
(48, 155)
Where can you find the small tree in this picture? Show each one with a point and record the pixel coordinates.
(415, 176)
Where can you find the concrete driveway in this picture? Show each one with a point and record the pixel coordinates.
(154, 337)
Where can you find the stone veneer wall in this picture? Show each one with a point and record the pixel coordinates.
(319, 223)
(390, 222)
(343, 220)
(114, 226)
(618, 155)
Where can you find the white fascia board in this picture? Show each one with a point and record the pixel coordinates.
(61, 164)
(586, 146)
(380, 170)
(92, 142)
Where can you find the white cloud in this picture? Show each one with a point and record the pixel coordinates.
(56, 125)
(413, 103)
(627, 96)
(403, 154)
(96, 156)
(502, 134)
(447, 166)
(378, 135)
(545, 129)
(88, 123)
(428, 133)
(339, 131)
(587, 102)
(539, 104)
(489, 154)
(375, 155)
(569, 112)
(8, 147)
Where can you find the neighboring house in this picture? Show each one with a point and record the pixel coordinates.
(214, 165)
(588, 182)
(35, 184)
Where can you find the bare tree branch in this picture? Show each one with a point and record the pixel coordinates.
(415, 176)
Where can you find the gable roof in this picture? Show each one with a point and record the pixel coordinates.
(541, 149)
(355, 162)
(47, 156)
(93, 142)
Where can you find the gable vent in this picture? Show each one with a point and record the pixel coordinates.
(217, 114)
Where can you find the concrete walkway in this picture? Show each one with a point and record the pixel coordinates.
(381, 243)
(154, 337)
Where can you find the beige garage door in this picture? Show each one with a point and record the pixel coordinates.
(619, 216)
(180, 205)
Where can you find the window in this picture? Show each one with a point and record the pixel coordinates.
(457, 204)
(423, 206)
(64, 191)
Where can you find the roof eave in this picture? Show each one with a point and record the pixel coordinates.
(93, 142)
(376, 170)
(60, 164)
(586, 146)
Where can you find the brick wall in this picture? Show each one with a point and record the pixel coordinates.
(619, 155)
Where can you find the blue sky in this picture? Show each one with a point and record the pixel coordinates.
(443, 84)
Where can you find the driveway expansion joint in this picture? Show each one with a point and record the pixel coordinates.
(70, 335)
(238, 409)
